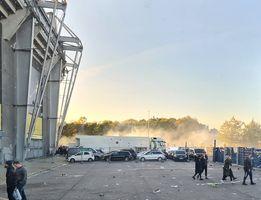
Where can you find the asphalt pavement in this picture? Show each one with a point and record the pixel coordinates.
(136, 180)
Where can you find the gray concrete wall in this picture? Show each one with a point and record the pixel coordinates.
(8, 94)
(16, 81)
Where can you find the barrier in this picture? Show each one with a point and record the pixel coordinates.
(238, 155)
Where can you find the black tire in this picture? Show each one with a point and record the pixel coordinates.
(90, 160)
(142, 159)
(72, 160)
(160, 159)
(126, 159)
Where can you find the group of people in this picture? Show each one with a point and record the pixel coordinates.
(248, 167)
(201, 165)
(16, 177)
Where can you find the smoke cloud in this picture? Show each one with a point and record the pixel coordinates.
(199, 138)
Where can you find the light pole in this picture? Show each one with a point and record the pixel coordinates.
(148, 124)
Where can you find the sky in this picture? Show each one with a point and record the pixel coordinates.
(174, 58)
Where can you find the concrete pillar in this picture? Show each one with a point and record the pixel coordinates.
(7, 97)
(50, 109)
(23, 67)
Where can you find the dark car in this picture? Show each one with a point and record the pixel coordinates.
(72, 151)
(199, 152)
(133, 153)
(180, 155)
(118, 155)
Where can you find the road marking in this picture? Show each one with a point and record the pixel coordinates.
(45, 171)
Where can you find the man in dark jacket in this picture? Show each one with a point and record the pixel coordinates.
(227, 170)
(198, 167)
(205, 164)
(10, 179)
(21, 176)
(248, 170)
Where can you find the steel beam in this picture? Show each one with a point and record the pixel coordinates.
(50, 4)
(42, 19)
(71, 65)
(71, 48)
(70, 39)
(45, 76)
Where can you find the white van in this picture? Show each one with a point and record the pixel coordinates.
(82, 156)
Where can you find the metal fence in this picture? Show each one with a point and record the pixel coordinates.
(238, 155)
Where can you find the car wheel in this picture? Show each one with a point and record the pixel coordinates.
(142, 159)
(127, 159)
(90, 160)
(72, 160)
(160, 159)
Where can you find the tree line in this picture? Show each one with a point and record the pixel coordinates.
(81, 126)
(232, 132)
(235, 132)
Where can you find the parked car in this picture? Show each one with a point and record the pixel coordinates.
(180, 155)
(81, 156)
(152, 155)
(133, 153)
(118, 155)
(199, 152)
(98, 154)
(74, 150)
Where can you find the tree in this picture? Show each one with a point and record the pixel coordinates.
(231, 131)
(252, 133)
(81, 120)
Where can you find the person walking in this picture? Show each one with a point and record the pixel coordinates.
(227, 170)
(248, 170)
(205, 164)
(198, 167)
(10, 179)
(21, 176)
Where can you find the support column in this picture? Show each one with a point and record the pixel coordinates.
(50, 110)
(23, 67)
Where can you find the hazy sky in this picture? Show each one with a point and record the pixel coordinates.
(173, 57)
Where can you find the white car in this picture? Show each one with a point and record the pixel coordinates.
(82, 156)
(151, 155)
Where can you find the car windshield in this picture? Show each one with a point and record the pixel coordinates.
(180, 152)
